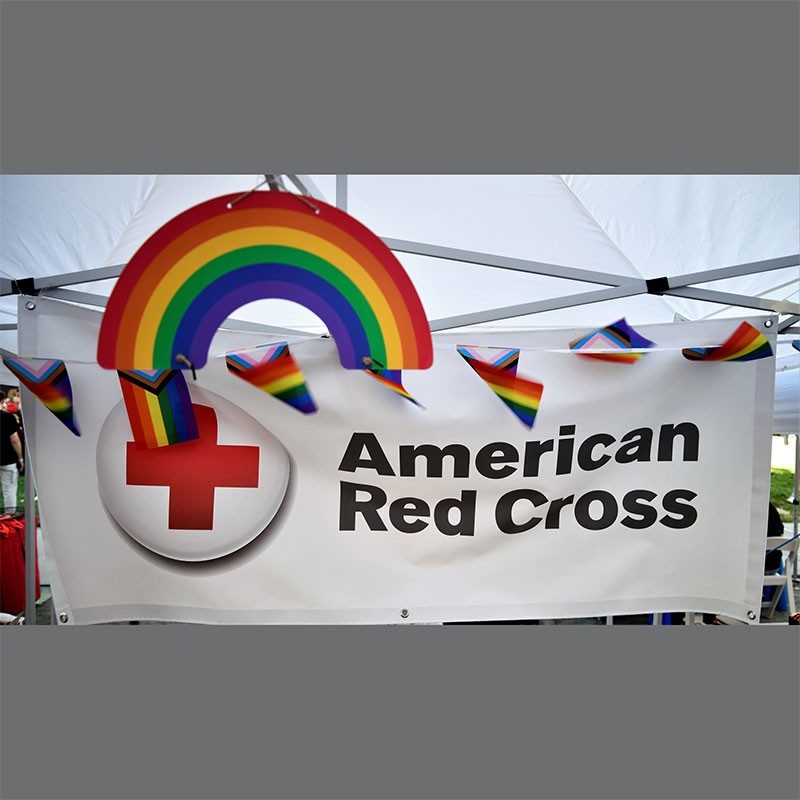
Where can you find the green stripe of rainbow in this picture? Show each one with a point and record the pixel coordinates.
(211, 259)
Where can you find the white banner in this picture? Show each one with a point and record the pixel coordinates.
(640, 488)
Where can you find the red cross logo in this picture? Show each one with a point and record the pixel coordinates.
(193, 471)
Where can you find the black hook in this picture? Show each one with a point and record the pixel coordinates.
(181, 359)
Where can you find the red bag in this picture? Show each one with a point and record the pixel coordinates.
(12, 566)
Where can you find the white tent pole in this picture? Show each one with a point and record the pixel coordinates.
(786, 324)
(230, 324)
(30, 520)
(724, 298)
(552, 304)
(505, 262)
(454, 254)
(341, 192)
(82, 276)
(307, 186)
(708, 275)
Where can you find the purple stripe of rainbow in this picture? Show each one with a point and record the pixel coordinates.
(218, 301)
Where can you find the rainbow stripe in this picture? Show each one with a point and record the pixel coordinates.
(211, 259)
(521, 395)
(392, 379)
(618, 343)
(49, 381)
(746, 343)
(159, 408)
(274, 371)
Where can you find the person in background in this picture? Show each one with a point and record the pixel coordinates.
(774, 559)
(11, 460)
(13, 405)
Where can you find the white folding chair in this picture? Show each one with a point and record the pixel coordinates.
(782, 582)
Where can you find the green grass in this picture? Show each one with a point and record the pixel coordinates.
(20, 495)
(780, 490)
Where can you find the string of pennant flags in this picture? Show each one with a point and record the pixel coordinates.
(161, 413)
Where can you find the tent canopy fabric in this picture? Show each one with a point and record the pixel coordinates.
(638, 226)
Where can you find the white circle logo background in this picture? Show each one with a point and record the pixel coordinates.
(240, 514)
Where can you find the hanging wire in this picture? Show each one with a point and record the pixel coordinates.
(275, 185)
(242, 196)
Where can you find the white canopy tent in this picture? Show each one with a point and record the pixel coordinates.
(512, 251)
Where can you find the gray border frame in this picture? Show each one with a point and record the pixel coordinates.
(424, 87)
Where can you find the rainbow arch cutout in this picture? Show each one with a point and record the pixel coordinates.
(213, 258)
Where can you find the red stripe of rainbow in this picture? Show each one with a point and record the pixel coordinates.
(746, 343)
(211, 259)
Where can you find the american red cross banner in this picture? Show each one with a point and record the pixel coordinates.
(565, 487)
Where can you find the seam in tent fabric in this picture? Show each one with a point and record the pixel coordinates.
(605, 233)
(136, 211)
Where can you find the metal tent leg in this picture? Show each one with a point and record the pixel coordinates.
(30, 538)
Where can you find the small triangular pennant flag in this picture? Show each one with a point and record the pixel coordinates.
(505, 358)
(273, 370)
(618, 343)
(521, 395)
(48, 380)
(159, 407)
(746, 343)
(392, 379)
